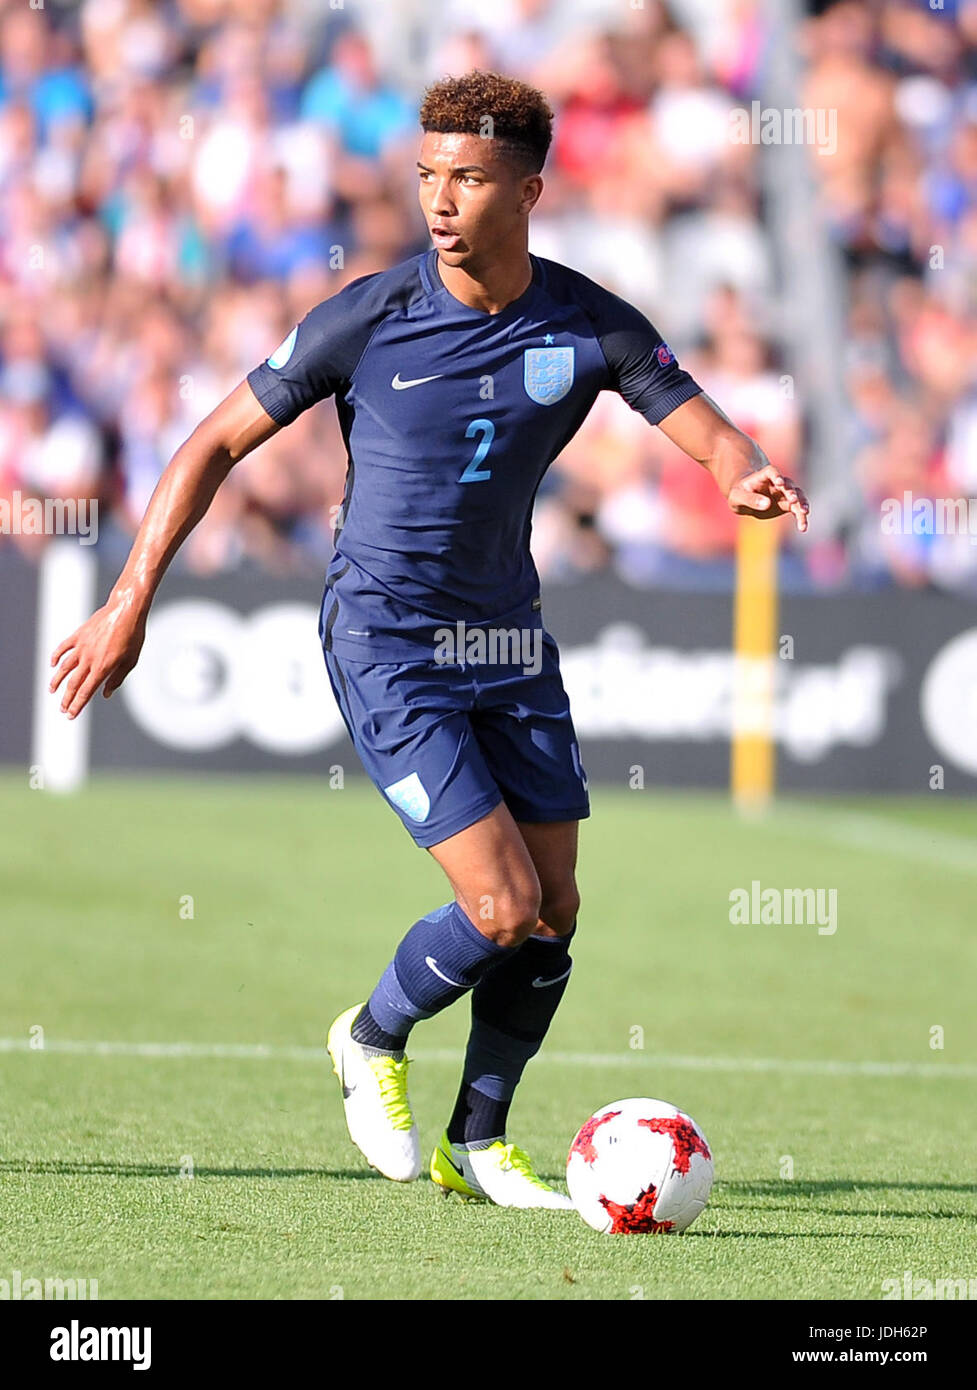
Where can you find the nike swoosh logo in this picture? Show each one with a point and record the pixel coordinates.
(399, 385)
(433, 965)
(540, 983)
(459, 1171)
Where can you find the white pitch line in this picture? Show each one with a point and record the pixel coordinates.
(880, 835)
(261, 1052)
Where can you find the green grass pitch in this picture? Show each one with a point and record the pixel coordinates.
(843, 1139)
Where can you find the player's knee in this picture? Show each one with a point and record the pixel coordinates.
(558, 910)
(512, 915)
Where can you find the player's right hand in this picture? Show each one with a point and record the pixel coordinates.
(105, 648)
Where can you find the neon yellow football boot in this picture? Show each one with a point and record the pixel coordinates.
(502, 1174)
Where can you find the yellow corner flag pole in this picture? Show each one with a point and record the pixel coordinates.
(752, 752)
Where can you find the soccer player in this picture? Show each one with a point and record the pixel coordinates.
(459, 376)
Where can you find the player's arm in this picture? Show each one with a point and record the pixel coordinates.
(316, 360)
(643, 369)
(751, 484)
(106, 647)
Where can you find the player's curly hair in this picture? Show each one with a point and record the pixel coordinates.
(495, 107)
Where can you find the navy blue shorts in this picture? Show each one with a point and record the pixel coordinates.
(446, 743)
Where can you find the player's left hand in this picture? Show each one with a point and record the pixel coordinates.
(768, 493)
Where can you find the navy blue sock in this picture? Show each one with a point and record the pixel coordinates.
(512, 1009)
(440, 959)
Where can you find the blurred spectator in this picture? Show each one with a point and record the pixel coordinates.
(901, 192)
(43, 454)
(349, 98)
(36, 67)
(269, 242)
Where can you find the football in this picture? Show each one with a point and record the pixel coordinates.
(639, 1165)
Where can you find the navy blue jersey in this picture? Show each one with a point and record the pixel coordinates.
(451, 416)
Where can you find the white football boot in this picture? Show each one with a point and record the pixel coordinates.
(378, 1113)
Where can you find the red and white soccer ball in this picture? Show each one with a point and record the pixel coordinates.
(639, 1165)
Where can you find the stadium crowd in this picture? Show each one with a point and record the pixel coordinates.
(181, 181)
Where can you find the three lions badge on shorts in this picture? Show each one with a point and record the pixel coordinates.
(410, 795)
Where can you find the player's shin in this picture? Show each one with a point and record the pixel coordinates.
(442, 957)
(512, 1008)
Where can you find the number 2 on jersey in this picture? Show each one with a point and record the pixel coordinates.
(473, 473)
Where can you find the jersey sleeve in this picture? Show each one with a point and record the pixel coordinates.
(317, 358)
(642, 366)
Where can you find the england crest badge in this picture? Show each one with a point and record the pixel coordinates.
(547, 373)
(411, 796)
